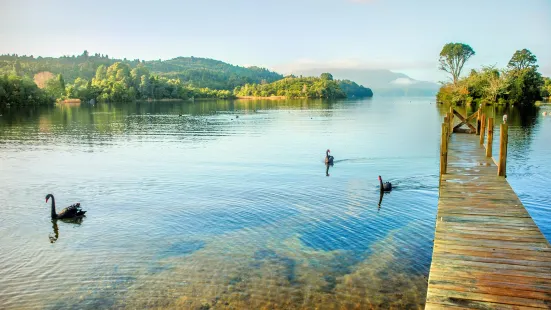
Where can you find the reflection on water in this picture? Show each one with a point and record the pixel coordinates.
(75, 221)
(55, 236)
(190, 206)
(327, 169)
(382, 193)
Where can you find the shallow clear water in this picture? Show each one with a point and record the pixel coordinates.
(208, 209)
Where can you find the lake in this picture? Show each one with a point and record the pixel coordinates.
(228, 204)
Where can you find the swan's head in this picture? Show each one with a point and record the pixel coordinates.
(379, 178)
(48, 197)
(328, 151)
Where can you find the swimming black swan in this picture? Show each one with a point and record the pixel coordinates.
(385, 187)
(69, 212)
(328, 158)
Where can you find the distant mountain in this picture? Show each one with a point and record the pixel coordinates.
(382, 82)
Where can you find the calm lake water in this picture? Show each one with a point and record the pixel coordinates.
(230, 206)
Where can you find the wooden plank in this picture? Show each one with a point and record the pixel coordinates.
(519, 301)
(483, 277)
(495, 268)
(460, 303)
(519, 260)
(459, 236)
(490, 233)
(501, 290)
(436, 306)
(488, 229)
(490, 252)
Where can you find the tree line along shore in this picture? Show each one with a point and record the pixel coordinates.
(30, 81)
(520, 83)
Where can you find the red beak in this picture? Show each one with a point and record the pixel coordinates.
(46, 199)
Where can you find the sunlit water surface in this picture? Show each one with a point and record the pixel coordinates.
(230, 204)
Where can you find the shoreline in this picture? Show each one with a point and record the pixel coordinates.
(262, 98)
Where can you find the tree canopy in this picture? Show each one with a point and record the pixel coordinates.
(294, 87)
(326, 76)
(523, 59)
(546, 87)
(21, 91)
(519, 83)
(306, 87)
(453, 57)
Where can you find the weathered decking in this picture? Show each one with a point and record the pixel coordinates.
(488, 252)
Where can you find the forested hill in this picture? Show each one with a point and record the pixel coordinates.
(203, 72)
(192, 71)
(306, 87)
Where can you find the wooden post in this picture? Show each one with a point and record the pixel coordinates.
(478, 122)
(482, 128)
(451, 121)
(444, 149)
(490, 137)
(503, 137)
(447, 122)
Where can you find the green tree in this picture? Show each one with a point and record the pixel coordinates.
(21, 91)
(525, 82)
(326, 76)
(523, 59)
(546, 88)
(17, 68)
(101, 72)
(496, 85)
(525, 86)
(453, 57)
(56, 87)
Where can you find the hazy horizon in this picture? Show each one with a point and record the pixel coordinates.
(286, 36)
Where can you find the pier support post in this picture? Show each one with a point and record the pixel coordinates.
(478, 122)
(482, 128)
(503, 137)
(444, 148)
(450, 117)
(490, 137)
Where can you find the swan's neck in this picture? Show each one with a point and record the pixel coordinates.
(326, 154)
(54, 214)
(381, 181)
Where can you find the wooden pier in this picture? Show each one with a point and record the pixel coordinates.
(488, 252)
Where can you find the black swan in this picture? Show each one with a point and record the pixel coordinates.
(385, 187)
(328, 158)
(69, 212)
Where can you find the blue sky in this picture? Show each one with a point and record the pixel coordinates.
(400, 35)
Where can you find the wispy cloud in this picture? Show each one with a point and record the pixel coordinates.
(404, 81)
